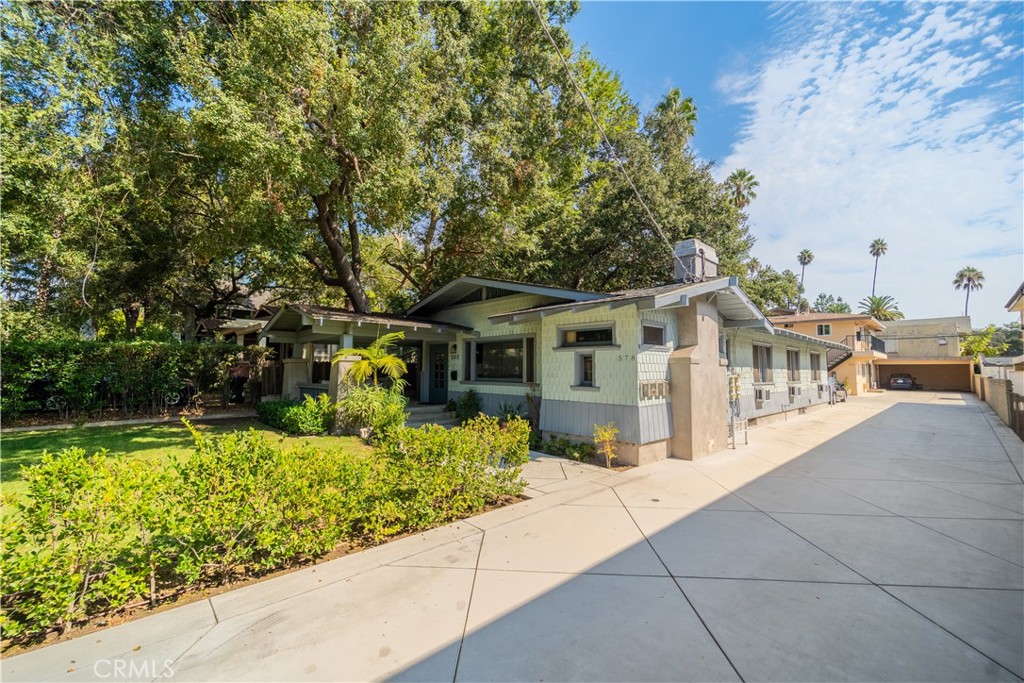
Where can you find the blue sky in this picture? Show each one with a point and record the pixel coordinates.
(860, 120)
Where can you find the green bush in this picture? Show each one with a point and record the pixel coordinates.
(435, 475)
(567, 448)
(309, 418)
(80, 377)
(382, 410)
(96, 533)
(467, 405)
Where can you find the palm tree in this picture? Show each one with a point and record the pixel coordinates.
(804, 257)
(970, 279)
(374, 359)
(742, 183)
(753, 266)
(877, 248)
(674, 120)
(881, 308)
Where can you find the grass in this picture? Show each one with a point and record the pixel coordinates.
(150, 442)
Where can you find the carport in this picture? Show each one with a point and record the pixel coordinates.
(940, 374)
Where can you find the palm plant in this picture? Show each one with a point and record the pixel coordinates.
(877, 248)
(881, 308)
(374, 359)
(970, 279)
(804, 257)
(742, 183)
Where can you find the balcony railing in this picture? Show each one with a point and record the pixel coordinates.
(865, 342)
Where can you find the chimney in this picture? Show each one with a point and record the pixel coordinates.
(695, 261)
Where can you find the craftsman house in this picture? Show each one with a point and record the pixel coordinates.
(670, 366)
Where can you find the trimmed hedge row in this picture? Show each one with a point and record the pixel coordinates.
(96, 533)
(79, 377)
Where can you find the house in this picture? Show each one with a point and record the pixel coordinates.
(927, 349)
(670, 366)
(859, 371)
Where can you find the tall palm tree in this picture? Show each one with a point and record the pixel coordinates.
(742, 183)
(877, 248)
(970, 279)
(675, 119)
(804, 257)
(881, 308)
(375, 358)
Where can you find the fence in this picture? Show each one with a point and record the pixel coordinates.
(1009, 406)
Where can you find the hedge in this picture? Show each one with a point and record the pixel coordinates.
(81, 377)
(95, 534)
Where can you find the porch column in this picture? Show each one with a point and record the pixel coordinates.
(337, 387)
(296, 371)
(425, 375)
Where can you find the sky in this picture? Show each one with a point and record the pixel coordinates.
(903, 121)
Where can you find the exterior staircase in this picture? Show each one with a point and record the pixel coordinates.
(424, 413)
(836, 357)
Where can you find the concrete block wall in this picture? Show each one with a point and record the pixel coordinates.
(996, 392)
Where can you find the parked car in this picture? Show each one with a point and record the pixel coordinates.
(901, 381)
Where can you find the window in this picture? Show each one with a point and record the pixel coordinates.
(793, 364)
(815, 367)
(500, 360)
(598, 336)
(586, 370)
(653, 335)
(825, 330)
(762, 363)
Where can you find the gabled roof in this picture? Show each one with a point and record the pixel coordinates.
(1016, 302)
(456, 291)
(733, 304)
(825, 318)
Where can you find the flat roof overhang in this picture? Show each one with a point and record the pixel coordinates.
(297, 323)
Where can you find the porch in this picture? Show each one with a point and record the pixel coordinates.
(307, 337)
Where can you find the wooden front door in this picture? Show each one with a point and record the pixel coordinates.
(438, 364)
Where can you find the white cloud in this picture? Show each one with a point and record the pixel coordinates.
(900, 121)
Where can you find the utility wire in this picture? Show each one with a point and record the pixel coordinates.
(607, 142)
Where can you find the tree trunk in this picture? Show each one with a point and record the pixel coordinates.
(874, 277)
(967, 301)
(344, 275)
(132, 312)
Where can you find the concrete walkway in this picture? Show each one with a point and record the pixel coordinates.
(879, 540)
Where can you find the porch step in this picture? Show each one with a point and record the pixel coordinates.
(422, 413)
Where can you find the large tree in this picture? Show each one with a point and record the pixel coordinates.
(882, 307)
(743, 185)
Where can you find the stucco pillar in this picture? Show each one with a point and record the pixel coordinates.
(697, 378)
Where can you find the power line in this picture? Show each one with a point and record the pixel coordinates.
(607, 142)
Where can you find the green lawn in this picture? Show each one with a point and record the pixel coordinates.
(160, 441)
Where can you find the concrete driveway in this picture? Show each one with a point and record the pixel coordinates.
(878, 540)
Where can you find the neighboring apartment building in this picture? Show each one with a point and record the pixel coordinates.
(858, 371)
(656, 362)
(927, 349)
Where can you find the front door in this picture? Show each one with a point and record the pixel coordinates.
(438, 364)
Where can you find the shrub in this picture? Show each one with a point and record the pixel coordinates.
(380, 409)
(309, 418)
(566, 448)
(78, 377)
(467, 405)
(434, 475)
(604, 439)
(507, 411)
(95, 533)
